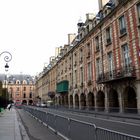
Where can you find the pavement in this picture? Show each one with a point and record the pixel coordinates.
(9, 125)
(12, 127)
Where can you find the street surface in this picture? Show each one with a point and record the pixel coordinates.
(35, 129)
(115, 124)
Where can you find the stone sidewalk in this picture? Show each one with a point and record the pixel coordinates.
(9, 125)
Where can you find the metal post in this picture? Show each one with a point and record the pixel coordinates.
(7, 58)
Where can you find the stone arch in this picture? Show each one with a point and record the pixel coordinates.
(100, 99)
(66, 100)
(59, 100)
(113, 100)
(71, 101)
(91, 103)
(62, 100)
(83, 101)
(76, 101)
(30, 102)
(130, 100)
(24, 102)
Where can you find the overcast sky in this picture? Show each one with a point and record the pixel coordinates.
(31, 30)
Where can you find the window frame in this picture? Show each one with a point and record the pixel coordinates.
(108, 36)
(122, 25)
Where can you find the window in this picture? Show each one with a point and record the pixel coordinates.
(98, 67)
(122, 25)
(88, 50)
(89, 71)
(125, 55)
(75, 76)
(110, 64)
(24, 95)
(17, 88)
(24, 88)
(70, 77)
(108, 35)
(138, 11)
(81, 55)
(30, 95)
(81, 73)
(97, 43)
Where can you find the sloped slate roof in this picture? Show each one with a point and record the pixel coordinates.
(15, 77)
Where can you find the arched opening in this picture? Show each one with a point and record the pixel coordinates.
(90, 100)
(66, 100)
(59, 100)
(55, 101)
(24, 102)
(83, 101)
(76, 101)
(62, 100)
(30, 102)
(71, 101)
(130, 101)
(100, 101)
(113, 101)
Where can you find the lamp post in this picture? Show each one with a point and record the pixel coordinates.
(7, 58)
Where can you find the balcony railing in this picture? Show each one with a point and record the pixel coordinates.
(125, 72)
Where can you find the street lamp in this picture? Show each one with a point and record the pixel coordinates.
(6, 67)
(7, 58)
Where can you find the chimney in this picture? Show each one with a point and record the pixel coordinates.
(71, 38)
(102, 3)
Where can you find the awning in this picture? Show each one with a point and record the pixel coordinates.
(62, 87)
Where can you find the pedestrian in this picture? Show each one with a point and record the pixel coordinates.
(9, 106)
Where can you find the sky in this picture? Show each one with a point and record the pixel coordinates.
(31, 30)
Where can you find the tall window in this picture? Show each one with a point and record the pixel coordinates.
(88, 49)
(81, 55)
(24, 95)
(24, 88)
(110, 64)
(17, 88)
(97, 43)
(138, 11)
(89, 71)
(75, 76)
(70, 79)
(81, 73)
(98, 67)
(126, 57)
(122, 25)
(108, 35)
(30, 95)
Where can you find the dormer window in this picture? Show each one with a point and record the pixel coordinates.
(87, 28)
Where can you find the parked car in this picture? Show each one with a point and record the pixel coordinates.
(43, 105)
(38, 104)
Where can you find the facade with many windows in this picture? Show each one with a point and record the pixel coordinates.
(100, 68)
(20, 88)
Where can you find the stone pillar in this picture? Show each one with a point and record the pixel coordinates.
(138, 95)
(95, 101)
(121, 99)
(106, 99)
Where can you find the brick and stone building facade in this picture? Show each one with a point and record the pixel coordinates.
(100, 68)
(20, 88)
